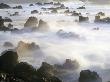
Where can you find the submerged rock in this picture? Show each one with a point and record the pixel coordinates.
(89, 76)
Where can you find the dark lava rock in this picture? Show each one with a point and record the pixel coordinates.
(43, 26)
(8, 60)
(83, 19)
(8, 44)
(34, 12)
(3, 6)
(89, 76)
(31, 23)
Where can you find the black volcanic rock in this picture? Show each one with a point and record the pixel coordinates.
(43, 26)
(8, 60)
(8, 44)
(31, 23)
(89, 76)
(4, 6)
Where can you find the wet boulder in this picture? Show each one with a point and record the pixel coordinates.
(8, 44)
(8, 60)
(89, 76)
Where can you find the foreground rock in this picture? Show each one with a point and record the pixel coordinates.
(89, 76)
(11, 70)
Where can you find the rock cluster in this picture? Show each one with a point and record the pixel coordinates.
(11, 70)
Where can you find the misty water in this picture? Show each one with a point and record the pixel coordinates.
(91, 50)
